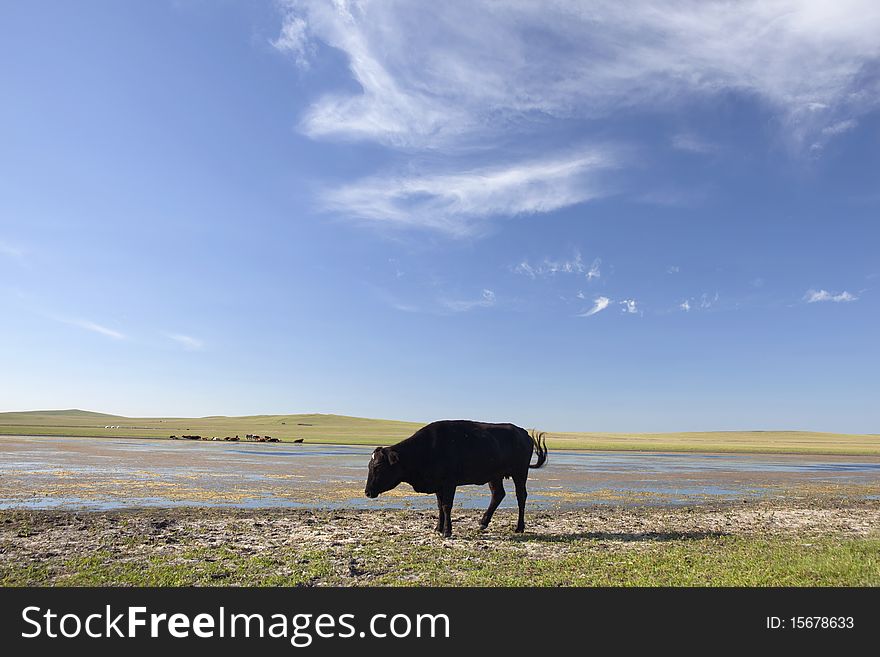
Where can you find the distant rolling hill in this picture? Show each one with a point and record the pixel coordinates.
(342, 429)
(311, 427)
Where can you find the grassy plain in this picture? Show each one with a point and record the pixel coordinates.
(340, 429)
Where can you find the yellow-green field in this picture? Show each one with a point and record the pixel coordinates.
(312, 428)
(318, 428)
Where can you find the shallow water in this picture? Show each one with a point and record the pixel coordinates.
(101, 473)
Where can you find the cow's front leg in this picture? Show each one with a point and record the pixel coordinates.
(440, 516)
(447, 495)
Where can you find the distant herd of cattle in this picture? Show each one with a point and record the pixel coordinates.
(249, 437)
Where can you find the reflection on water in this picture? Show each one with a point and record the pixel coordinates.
(100, 473)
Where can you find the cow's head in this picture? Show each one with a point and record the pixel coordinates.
(385, 471)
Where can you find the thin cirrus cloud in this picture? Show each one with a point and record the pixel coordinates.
(486, 299)
(458, 203)
(441, 74)
(630, 306)
(187, 341)
(690, 143)
(840, 127)
(550, 267)
(817, 296)
(94, 327)
(450, 79)
(707, 300)
(704, 302)
(436, 305)
(599, 304)
(294, 41)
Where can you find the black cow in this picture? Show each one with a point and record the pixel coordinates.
(450, 453)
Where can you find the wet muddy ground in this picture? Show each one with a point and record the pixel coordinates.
(107, 473)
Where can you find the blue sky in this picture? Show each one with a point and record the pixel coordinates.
(567, 215)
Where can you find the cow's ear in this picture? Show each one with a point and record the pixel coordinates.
(393, 457)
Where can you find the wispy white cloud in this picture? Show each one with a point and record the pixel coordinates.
(673, 269)
(391, 300)
(526, 269)
(707, 300)
(405, 307)
(187, 341)
(630, 306)
(550, 267)
(840, 127)
(295, 40)
(486, 300)
(435, 74)
(815, 296)
(690, 143)
(450, 81)
(704, 302)
(94, 327)
(436, 303)
(457, 203)
(599, 304)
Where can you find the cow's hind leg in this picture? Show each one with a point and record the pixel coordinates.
(440, 517)
(447, 495)
(521, 495)
(497, 488)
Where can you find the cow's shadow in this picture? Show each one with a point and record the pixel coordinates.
(626, 537)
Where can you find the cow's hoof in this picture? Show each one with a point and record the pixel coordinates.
(484, 527)
(438, 530)
(447, 534)
(519, 530)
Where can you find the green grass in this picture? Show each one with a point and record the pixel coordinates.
(197, 567)
(340, 429)
(722, 561)
(716, 561)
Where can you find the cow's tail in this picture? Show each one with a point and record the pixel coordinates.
(540, 447)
